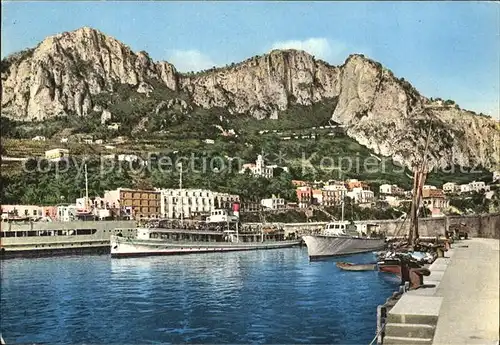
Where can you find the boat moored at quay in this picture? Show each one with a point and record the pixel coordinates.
(172, 237)
(342, 238)
(36, 239)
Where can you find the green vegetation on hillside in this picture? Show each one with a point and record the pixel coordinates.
(167, 124)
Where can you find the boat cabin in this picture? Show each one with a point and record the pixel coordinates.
(342, 228)
(220, 216)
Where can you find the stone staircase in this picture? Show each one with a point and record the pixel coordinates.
(414, 318)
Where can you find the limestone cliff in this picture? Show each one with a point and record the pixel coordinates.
(264, 85)
(389, 116)
(65, 73)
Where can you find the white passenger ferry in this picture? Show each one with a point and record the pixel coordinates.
(219, 233)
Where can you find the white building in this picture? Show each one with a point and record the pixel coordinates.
(258, 169)
(429, 187)
(114, 126)
(131, 158)
(451, 187)
(465, 188)
(38, 138)
(393, 201)
(336, 186)
(390, 189)
(360, 195)
(274, 166)
(496, 176)
(273, 203)
(83, 204)
(57, 155)
(385, 189)
(66, 213)
(474, 186)
(193, 202)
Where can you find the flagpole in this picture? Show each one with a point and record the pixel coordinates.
(180, 189)
(86, 188)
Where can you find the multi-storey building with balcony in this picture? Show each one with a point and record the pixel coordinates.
(137, 204)
(434, 200)
(333, 194)
(474, 186)
(304, 196)
(190, 203)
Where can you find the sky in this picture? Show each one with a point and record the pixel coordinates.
(449, 50)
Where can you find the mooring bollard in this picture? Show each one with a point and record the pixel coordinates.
(381, 315)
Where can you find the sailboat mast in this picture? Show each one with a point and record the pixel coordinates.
(413, 206)
(420, 176)
(343, 204)
(180, 190)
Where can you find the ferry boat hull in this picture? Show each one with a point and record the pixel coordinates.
(98, 249)
(60, 238)
(321, 246)
(130, 247)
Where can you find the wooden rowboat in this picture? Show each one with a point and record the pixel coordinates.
(347, 266)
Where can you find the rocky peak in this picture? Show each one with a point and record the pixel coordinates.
(66, 72)
(388, 115)
(264, 85)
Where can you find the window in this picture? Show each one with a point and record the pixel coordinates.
(85, 231)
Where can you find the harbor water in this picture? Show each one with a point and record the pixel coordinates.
(273, 296)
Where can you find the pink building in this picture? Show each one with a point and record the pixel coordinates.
(49, 212)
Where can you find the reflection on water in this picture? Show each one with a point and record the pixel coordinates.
(274, 296)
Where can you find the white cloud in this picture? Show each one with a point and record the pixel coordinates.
(189, 60)
(332, 51)
(322, 48)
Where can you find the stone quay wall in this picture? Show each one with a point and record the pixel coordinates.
(485, 226)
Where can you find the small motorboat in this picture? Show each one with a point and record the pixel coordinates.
(347, 266)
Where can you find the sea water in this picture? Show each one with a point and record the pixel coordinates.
(270, 296)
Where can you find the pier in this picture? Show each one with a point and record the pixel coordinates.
(459, 303)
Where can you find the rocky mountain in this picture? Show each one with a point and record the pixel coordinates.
(66, 73)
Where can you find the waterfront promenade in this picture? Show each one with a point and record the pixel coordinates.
(469, 311)
(458, 305)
